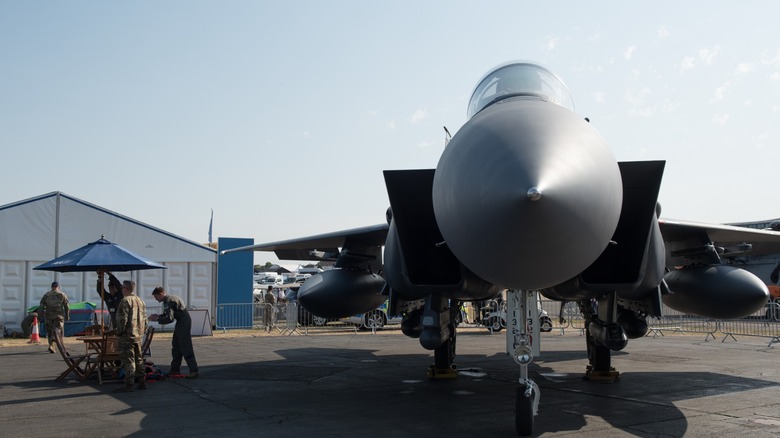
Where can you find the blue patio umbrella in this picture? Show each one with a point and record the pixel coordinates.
(100, 255)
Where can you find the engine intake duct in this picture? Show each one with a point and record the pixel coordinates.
(418, 261)
(427, 260)
(624, 262)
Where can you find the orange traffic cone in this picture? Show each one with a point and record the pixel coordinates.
(35, 337)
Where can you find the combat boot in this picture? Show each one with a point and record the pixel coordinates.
(125, 388)
(142, 382)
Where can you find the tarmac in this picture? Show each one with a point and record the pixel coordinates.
(346, 384)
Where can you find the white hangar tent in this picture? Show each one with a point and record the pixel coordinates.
(36, 230)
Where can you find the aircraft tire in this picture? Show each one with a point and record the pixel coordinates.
(524, 412)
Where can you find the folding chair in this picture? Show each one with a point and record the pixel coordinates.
(108, 359)
(72, 360)
(146, 342)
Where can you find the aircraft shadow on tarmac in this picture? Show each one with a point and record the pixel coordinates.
(391, 390)
(293, 390)
(643, 398)
(641, 403)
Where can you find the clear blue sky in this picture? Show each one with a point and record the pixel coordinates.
(281, 116)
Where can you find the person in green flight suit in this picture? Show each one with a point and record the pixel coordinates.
(174, 309)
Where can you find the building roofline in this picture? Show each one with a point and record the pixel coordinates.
(106, 211)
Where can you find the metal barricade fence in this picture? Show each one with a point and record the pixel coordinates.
(280, 317)
(763, 323)
(238, 316)
(291, 319)
(564, 315)
(285, 318)
(680, 322)
(568, 315)
(288, 318)
(773, 310)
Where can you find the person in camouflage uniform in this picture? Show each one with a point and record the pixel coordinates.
(27, 324)
(131, 325)
(269, 309)
(174, 309)
(55, 310)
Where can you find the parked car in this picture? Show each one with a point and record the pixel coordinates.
(495, 321)
(301, 278)
(375, 319)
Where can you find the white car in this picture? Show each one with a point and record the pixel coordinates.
(375, 319)
(496, 321)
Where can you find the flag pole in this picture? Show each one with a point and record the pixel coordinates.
(211, 223)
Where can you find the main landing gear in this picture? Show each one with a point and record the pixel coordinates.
(603, 334)
(438, 334)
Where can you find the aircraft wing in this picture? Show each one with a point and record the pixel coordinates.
(681, 234)
(322, 246)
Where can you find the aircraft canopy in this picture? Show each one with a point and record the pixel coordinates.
(519, 79)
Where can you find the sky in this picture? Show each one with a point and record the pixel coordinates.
(280, 116)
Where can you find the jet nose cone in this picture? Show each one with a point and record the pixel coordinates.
(527, 195)
(534, 194)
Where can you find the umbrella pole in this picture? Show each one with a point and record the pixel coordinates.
(102, 304)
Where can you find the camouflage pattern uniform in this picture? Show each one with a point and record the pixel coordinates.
(268, 310)
(174, 309)
(55, 310)
(131, 325)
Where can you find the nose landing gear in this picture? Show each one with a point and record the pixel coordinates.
(520, 344)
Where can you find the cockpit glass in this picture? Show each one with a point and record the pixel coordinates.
(519, 79)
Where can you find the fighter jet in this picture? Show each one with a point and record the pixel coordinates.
(527, 196)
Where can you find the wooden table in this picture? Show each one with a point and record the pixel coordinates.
(93, 343)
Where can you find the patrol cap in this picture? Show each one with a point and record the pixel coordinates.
(55, 284)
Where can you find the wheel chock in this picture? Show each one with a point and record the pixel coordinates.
(442, 373)
(610, 376)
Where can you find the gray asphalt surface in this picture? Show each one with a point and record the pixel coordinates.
(350, 384)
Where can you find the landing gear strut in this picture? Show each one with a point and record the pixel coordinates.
(603, 334)
(438, 334)
(443, 366)
(520, 345)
